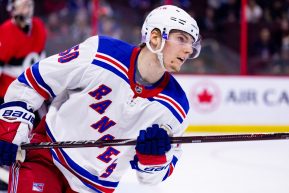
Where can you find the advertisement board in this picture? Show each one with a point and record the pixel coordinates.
(237, 103)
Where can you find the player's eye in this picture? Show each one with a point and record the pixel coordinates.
(181, 39)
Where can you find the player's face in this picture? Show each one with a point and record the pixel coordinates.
(23, 10)
(177, 50)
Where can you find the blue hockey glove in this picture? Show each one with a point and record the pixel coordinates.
(8, 152)
(152, 145)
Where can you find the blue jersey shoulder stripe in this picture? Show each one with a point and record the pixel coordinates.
(39, 79)
(23, 80)
(31, 81)
(79, 170)
(117, 49)
(170, 107)
(174, 98)
(175, 91)
(110, 68)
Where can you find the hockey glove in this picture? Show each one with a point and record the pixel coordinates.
(152, 145)
(16, 121)
(8, 152)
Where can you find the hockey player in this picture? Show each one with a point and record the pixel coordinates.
(22, 41)
(103, 89)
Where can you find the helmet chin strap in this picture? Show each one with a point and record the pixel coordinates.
(160, 56)
(159, 53)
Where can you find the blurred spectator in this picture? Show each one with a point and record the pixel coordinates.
(3, 14)
(53, 6)
(214, 3)
(229, 11)
(281, 64)
(183, 3)
(80, 28)
(132, 35)
(264, 47)
(253, 12)
(109, 27)
(105, 9)
(276, 10)
(144, 4)
(209, 22)
(282, 31)
(53, 25)
(75, 5)
(262, 51)
(59, 34)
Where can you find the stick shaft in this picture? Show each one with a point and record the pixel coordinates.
(174, 140)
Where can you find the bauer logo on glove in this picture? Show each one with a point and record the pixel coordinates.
(17, 112)
(13, 115)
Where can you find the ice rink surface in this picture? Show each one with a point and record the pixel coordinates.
(227, 167)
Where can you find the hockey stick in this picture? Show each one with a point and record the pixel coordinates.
(174, 140)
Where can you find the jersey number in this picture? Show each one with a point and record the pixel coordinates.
(68, 54)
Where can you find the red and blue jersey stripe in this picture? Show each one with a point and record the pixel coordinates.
(111, 64)
(32, 78)
(83, 175)
(114, 55)
(174, 106)
(174, 98)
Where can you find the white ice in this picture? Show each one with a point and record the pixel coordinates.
(227, 167)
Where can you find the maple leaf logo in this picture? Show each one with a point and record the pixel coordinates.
(205, 97)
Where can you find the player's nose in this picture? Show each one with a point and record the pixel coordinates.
(188, 49)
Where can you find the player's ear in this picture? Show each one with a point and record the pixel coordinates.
(155, 39)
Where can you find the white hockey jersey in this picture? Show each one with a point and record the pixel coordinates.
(95, 96)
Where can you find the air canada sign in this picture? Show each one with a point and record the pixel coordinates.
(274, 97)
(207, 96)
(255, 100)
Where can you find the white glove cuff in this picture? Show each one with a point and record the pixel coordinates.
(22, 134)
(17, 114)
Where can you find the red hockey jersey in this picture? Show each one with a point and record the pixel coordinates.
(18, 50)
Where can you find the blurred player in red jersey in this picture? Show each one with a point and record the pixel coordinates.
(22, 42)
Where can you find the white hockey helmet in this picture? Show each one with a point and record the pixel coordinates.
(167, 18)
